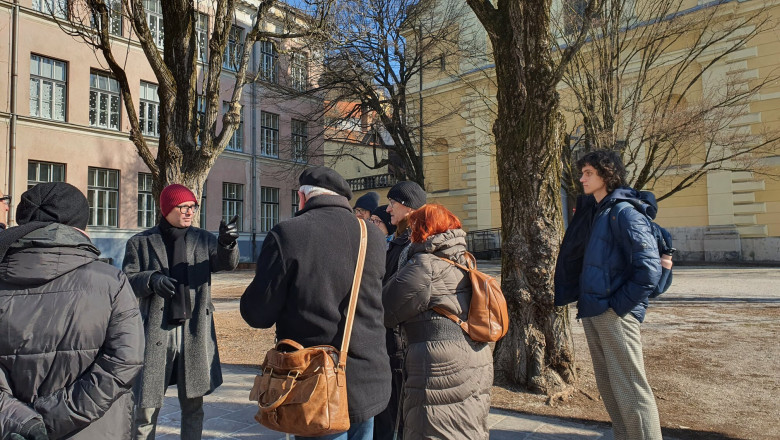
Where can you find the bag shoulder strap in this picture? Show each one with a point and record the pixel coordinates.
(614, 212)
(353, 296)
(472, 265)
(470, 261)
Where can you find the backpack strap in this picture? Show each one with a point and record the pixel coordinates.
(471, 264)
(614, 223)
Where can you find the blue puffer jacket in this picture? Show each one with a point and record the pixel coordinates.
(604, 271)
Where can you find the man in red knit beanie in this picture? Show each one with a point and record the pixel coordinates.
(169, 267)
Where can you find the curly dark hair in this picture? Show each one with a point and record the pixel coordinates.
(608, 165)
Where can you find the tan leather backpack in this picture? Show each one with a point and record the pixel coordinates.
(488, 319)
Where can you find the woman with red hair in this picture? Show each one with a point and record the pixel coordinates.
(447, 375)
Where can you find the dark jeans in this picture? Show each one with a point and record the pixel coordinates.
(359, 431)
(385, 421)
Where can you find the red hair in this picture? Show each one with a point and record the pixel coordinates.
(431, 219)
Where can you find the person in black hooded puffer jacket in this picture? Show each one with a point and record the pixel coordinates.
(447, 375)
(72, 340)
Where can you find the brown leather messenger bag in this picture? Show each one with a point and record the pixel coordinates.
(303, 391)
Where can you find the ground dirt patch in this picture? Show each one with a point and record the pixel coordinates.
(711, 354)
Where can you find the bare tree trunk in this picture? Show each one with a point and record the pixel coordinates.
(529, 133)
(535, 353)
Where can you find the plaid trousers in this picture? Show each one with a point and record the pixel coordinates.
(616, 349)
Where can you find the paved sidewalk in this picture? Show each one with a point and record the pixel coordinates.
(230, 415)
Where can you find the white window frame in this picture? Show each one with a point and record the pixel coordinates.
(237, 140)
(149, 109)
(154, 20)
(103, 87)
(269, 208)
(114, 18)
(147, 208)
(269, 134)
(47, 74)
(299, 71)
(58, 8)
(269, 61)
(200, 109)
(202, 34)
(233, 202)
(299, 137)
(55, 172)
(231, 59)
(103, 197)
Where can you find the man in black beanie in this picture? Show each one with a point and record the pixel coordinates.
(72, 342)
(403, 199)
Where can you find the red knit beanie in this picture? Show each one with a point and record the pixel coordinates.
(174, 195)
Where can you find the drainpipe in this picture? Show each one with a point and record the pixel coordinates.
(254, 162)
(422, 172)
(12, 128)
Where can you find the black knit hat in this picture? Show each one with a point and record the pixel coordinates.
(408, 193)
(368, 201)
(57, 202)
(381, 212)
(327, 178)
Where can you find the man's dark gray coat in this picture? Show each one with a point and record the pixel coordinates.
(145, 254)
(303, 280)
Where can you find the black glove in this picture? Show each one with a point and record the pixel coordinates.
(32, 430)
(163, 285)
(228, 233)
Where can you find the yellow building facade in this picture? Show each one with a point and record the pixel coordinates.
(724, 216)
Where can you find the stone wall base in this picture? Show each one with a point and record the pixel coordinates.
(722, 244)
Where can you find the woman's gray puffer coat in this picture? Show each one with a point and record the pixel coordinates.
(72, 341)
(447, 375)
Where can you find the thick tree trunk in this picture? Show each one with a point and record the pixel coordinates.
(536, 353)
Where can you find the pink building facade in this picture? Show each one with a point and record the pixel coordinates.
(68, 124)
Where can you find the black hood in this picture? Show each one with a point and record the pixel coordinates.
(45, 254)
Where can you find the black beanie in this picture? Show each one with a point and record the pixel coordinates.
(57, 202)
(327, 178)
(408, 193)
(368, 201)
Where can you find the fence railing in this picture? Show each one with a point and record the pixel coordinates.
(485, 244)
(372, 182)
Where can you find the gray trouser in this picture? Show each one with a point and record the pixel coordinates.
(191, 408)
(616, 348)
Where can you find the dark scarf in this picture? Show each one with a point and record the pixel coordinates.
(181, 306)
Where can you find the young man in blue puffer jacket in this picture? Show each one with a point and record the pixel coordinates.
(611, 277)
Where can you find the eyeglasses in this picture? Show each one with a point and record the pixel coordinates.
(392, 203)
(187, 208)
(360, 211)
(375, 220)
(6, 200)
